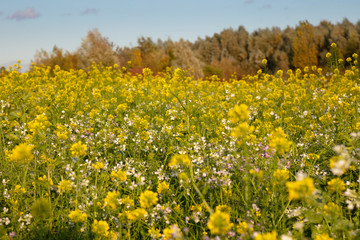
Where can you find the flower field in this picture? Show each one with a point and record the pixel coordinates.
(107, 155)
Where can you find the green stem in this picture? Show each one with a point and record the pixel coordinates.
(283, 213)
(198, 191)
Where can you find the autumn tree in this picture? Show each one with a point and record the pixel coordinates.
(153, 55)
(351, 37)
(185, 58)
(65, 60)
(96, 49)
(304, 46)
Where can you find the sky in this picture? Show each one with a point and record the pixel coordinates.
(27, 26)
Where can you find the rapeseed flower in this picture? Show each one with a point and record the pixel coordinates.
(266, 236)
(163, 187)
(127, 201)
(179, 159)
(281, 175)
(119, 175)
(100, 227)
(336, 185)
(136, 214)
(77, 216)
(223, 208)
(154, 232)
(219, 223)
(22, 153)
(148, 199)
(242, 130)
(301, 188)
(65, 185)
(40, 123)
(243, 227)
(331, 209)
(78, 149)
(97, 165)
(112, 200)
(239, 113)
(323, 236)
(278, 141)
(172, 232)
(19, 189)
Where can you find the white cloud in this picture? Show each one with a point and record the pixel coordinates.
(90, 11)
(28, 13)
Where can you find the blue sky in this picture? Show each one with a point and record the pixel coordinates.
(30, 25)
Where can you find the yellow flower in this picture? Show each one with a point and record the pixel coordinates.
(121, 107)
(278, 141)
(242, 228)
(184, 177)
(328, 55)
(300, 189)
(333, 45)
(119, 175)
(239, 113)
(281, 175)
(100, 227)
(336, 185)
(61, 132)
(331, 209)
(77, 216)
(21, 153)
(148, 199)
(323, 236)
(168, 233)
(65, 185)
(19, 189)
(78, 149)
(162, 187)
(223, 208)
(113, 235)
(219, 223)
(98, 165)
(154, 232)
(264, 61)
(266, 236)
(179, 159)
(242, 130)
(172, 232)
(127, 201)
(46, 180)
(38, 124)
(136, 214)
(111, 199)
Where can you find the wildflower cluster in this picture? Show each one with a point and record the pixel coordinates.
(104, 154)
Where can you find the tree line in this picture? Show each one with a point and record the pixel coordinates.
(223, 54)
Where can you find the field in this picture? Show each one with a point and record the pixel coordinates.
(104, 154)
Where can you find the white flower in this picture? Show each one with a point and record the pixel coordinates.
(299, 226)
(285, 237)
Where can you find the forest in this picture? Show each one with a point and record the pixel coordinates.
(232, 51)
